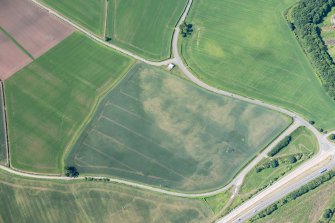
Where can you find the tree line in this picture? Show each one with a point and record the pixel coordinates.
(281, 145)
(304, 20)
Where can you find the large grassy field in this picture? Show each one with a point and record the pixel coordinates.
(149, 25)
(307, 208)
(48, 100)
(158, 129)
(26, 200)
(246, 47)
(89, 14)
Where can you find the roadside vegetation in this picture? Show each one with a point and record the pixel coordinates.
(247, 47)
(30, 201)
(302, 146)
(88, 14)
(304, 18)
(48, 100)
(314, 202)
(150, 129)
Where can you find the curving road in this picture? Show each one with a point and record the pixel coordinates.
(293, 180)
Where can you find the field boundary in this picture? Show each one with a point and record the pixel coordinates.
(17, 44)
(4, 116)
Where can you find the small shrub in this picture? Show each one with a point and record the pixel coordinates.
(292, 159)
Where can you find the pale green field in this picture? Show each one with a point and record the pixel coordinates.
(246, 47)
(89, 14)
(158, 129)
(25, 200)
(49, 99)
(144, 27)
(307, 208)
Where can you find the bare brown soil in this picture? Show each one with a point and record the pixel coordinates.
(32, 27)
(12, 58)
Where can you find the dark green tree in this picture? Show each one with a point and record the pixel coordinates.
(292, 159)
(274, 163)
(327, 214)
(71, 171)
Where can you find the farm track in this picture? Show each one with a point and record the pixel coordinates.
(326, 148)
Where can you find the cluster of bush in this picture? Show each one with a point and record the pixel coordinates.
(291, 159)
(272, 163)
(281, 145)
(186, 29)
(328, 214)
(71, 171)
(295, 194)
(306, 16)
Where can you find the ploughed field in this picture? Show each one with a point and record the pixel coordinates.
(49, 99)
(158, 129)
(26, 200)
(246, 47)
(12, 58)
(32, 27)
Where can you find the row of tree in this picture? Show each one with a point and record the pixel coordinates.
(305, 17)
(281, 145)
(295, 194)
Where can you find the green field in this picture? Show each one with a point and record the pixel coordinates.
(158, 129)
(246, 47)
(149, 25)
(26, 200)
(49, 99)
(89, 14)
(307, 208)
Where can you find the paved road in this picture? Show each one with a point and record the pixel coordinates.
(326, 148)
